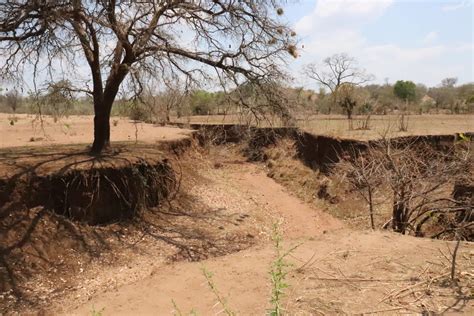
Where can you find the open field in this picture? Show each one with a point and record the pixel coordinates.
(29, 130)
(380, 125)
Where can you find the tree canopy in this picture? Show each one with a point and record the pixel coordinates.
(126, 44)
(336, 71)
(405, 90)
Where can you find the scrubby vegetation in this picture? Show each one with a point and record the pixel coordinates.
(173, 104)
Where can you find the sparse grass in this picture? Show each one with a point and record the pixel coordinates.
(97, 312)
(222, 301)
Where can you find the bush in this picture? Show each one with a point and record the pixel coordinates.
(139, 113)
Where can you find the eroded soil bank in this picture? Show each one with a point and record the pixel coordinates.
(335, 269)
(224, 205)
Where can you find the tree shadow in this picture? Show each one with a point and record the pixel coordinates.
(35, 240)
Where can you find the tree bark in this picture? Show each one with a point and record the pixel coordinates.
(103, 109)
(399, 216)
(101, 130)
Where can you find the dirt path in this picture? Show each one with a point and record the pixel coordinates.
(299, 219)
(336, 274)
(334, 270)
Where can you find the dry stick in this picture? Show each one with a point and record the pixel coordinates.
(424, 271)
(445, 257)
(347, 281)
(383, 310)
(411, 287)
(453, 262)
(359, 279)
(306, 263)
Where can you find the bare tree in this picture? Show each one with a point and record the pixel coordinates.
(162, 104)
(347, 99)
(13, 100)
(171, 99)
(335, 71)
(418, 179)
(125, 41)
(449, 82)
(58, 99)
(364, 172)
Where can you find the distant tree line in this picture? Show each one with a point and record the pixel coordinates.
(401, 97)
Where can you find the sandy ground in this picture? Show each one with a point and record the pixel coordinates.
(27, 130)
(334, 270)
(379, 125)
(350, 273)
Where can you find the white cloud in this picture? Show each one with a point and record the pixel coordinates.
(334, 14)
(327, 8)
(325, 44)
(337, 26)
(427, 64)
(456, 5)
(334, 26)
(430, 37)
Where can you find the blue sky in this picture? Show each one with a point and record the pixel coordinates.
(419, 40)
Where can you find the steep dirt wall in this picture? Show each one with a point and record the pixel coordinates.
(95, 190)
(316, 151)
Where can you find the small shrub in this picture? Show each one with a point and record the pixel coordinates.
(138, 113)
(403, 123)
(278, 273)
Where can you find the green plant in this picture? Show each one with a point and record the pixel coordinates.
(97, 313)
(177, 311)
(405, 90)
(221, 300)
(278, 273)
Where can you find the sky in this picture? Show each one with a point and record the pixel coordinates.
(419, 40)
(423, 41)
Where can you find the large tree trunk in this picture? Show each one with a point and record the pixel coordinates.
(102, 124)
(101, 131)
(103, 101)
(399, 214)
